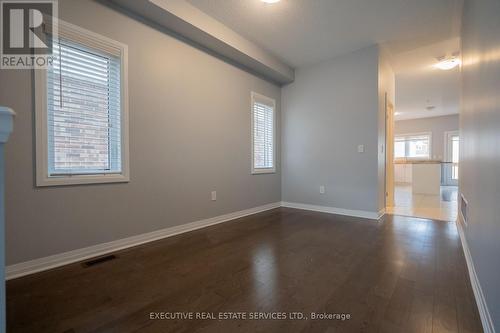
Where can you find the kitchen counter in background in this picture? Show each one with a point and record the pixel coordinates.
(426, 178)
(424, 175)
(405, 161)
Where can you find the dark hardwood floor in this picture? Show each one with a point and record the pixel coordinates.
(397, 275)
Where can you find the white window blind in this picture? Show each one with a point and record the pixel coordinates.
(83, 111)
(263, 133)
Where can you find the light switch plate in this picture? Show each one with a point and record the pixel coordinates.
(361, 148)
(322, 189)
(213, 195)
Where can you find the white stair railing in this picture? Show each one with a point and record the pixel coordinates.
(6, 126)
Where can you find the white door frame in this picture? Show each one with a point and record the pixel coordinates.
(448, 150)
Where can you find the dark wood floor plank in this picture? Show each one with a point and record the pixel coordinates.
(396, 275)
(444, 317)
(421, 313)
(398, 310)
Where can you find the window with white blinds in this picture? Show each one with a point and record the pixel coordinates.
(83, 109)
(263, 118)
(82, 113)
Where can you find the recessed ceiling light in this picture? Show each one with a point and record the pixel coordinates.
(270, 1)
(448, 63)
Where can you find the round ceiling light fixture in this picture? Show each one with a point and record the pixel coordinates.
(447, 63)
(270, 1)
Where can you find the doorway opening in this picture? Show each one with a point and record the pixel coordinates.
(425, 168)
(423, 139)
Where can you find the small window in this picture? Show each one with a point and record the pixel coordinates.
(82, 111)
(263, 136)
(412, 146)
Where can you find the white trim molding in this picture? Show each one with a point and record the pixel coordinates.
(405, 135)
(258, 98)
(484, 313)
(381, 213)
(333, 210)
(447, 148)
(57, 260)
(107, 46)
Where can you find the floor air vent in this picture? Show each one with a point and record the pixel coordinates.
(99, 260)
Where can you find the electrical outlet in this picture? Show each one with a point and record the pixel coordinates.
(213, 195)
(322, 189)
(361, 148)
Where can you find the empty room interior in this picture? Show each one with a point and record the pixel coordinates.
(249, 166)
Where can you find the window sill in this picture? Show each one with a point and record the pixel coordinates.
(82, 180)
(263, 171)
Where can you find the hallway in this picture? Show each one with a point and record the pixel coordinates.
(441, 207)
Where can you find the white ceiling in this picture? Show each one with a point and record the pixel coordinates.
(304, 32)
(414, 32)
(419, 84)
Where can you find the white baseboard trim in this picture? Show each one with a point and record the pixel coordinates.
(381, 213)
(484, 313)
(57, 260)
(333, 210)
(65, 258)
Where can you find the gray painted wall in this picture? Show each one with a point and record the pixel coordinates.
(437, 125)
(329, 110)
(189, 134)
(480, 142)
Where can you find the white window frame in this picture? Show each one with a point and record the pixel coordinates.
(448, 150)
(447, 144)
(429, 134)
(90, 39)
(271, 102)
